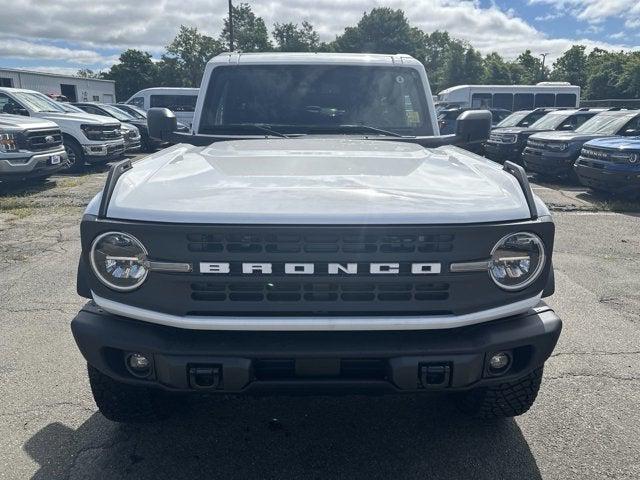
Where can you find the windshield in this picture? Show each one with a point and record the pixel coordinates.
(607, 124)
(513, 119)
(70, 108)
(550, 121)
(117, 113)
(308, 98)
(133, 111)
(38, 102)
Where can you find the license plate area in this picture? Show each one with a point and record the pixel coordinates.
(54, 160)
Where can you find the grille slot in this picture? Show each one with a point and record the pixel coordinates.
(319, 292)
(36, 140)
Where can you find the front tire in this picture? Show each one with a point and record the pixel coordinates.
(75, 155)
(504, 400)
(121, 402)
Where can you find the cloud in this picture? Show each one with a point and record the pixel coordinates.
(88, 32)
(597, 11)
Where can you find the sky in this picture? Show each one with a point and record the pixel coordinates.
(66, 35)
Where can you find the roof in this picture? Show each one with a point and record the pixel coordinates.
(514, 87)
(317, 57)
(59, 75)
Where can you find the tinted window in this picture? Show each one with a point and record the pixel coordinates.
(176, 103)
(8, 104)
(137, 101)
(566, 100)
(523, 101)
(481, 100)
(513, 119)
(545, 99)
(499, 115)
(580, 119)
(503, 100)
(303, 97)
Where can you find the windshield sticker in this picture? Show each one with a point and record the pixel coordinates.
(400, 79)
(413, 118)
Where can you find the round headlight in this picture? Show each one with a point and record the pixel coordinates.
(119, 261)
(517, 260)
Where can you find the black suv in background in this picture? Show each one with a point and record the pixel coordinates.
(448, 116)
(507, 143)
(554, 153)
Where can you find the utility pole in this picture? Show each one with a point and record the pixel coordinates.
(230, 26)
(544, 57)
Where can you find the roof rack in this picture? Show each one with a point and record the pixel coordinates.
(117, 169)
(521, 176)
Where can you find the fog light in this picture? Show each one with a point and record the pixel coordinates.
(499, 362)
(139, 364)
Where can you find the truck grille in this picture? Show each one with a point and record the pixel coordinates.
(39, 140)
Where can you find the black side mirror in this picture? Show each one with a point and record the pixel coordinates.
(22, 111)
(473, 126)
(161, 123)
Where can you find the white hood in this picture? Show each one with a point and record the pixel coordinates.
(82, 118)
(316, 181)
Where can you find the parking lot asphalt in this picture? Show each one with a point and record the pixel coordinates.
(584, 425)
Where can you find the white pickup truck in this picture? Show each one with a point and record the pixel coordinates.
(87, 138)
(315, 233)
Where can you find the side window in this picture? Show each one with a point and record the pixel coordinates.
(96, 98)
(137, 101)
(176, 103)
(632, 128)
(569, 123)
(481, 100)
(580, 119)
(566, 100)
(545, 99)
(9, 105)
(503, 100)
(522, 101)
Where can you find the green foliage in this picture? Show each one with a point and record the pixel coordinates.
(448, 61)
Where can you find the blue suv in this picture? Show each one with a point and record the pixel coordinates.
(611, 164)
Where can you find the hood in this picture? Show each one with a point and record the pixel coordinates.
(21, 122)
(316, 181)
(84, 118)
(564, 136)
(509, 130)
(616, 143)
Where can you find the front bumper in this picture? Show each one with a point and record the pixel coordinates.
(608, 176)
(103, 151)
(316, 362)
(28, 165)
(503, 151)
(549, 163)
(132, 144)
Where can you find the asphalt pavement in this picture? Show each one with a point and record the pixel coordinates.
(584, 425)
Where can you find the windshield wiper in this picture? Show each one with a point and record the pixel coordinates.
(368, 128)
(262, 127)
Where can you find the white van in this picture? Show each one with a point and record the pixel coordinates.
(511, 97)
(181, 101)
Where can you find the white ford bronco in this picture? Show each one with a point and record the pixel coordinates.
(29, 148)
(314, 233)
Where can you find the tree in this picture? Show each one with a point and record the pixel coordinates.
(169, 73)
(134, 72)
(249, 31)
(571, 66)
(629, 82)
(192, 50)
(531, 68)
(291, 38)
(496, 70)
(88, 73)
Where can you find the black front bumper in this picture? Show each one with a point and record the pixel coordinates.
(317, 362)
(549, 163)
(607, 176)
(501, 152)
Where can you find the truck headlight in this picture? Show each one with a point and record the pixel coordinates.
(8, 142)
(119, 260)
(517, 260)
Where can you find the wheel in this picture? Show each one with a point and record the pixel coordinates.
(75, 155)
(504, 400)
(120, 402)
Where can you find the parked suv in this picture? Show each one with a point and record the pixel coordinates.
(507, 143)
(134, 130)
(611, 164)
(323, 237)
(29, 148)
(554, 153)
(87, 138)
(524, 118)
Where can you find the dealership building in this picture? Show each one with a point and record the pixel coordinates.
(76, 89)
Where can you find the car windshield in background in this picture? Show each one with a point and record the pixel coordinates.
(133, 111)
(117, 113)
(606, 124)
(314, 98)
(38, 102)
(550, 121)
(513, 119)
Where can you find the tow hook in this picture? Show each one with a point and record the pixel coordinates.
(434, 375)
(205, 377)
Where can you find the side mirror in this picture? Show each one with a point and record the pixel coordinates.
(473, 126)
(566, 127)
(161, 123)
(22, 111)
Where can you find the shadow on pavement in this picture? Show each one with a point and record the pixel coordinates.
(393, 437)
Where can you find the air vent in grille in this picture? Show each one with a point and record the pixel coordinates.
(319, 243)
(37, 140)
(319, 291)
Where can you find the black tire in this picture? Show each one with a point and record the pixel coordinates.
(120, 402)
(504, 400)
(75, 155)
